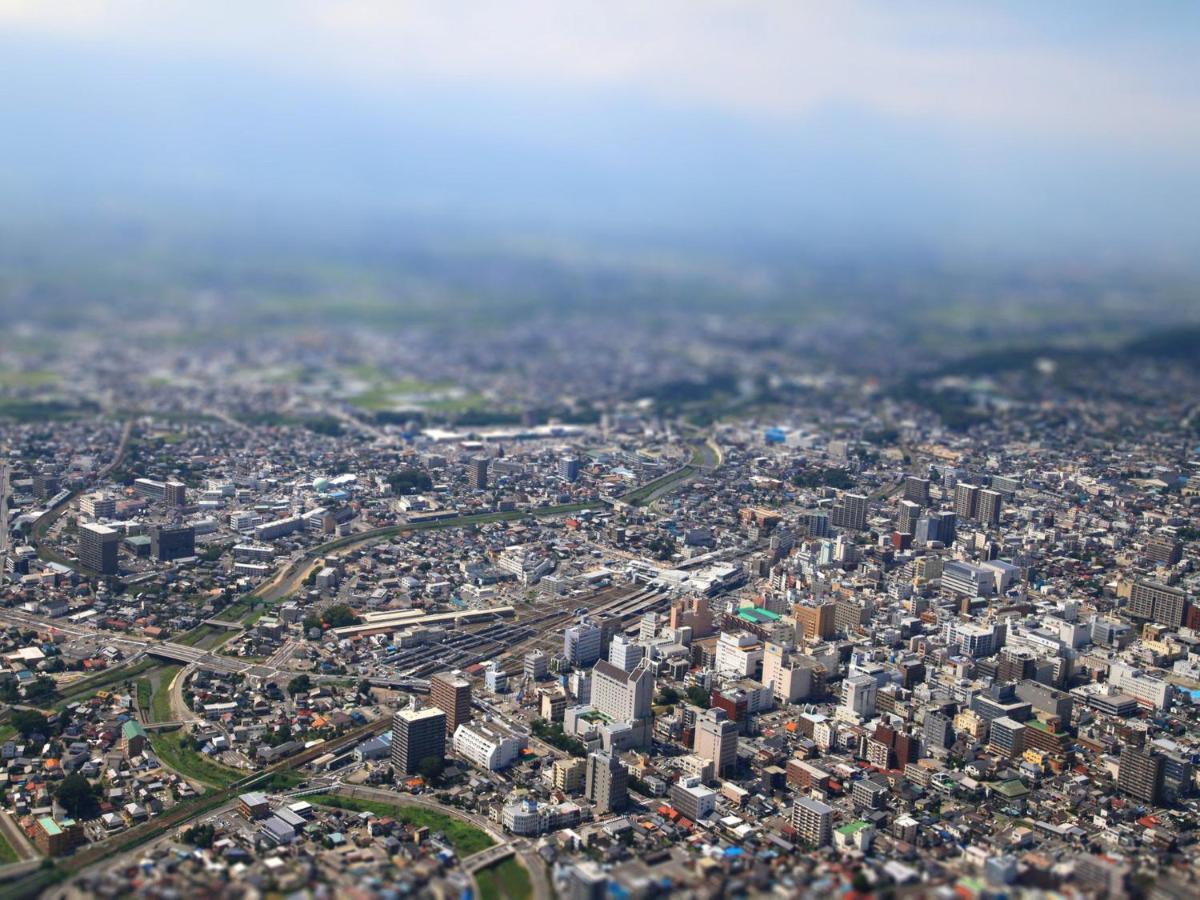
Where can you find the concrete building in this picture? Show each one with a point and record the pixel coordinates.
(98, 547)
(416, 735)
(451, 693)
(813, 822)
(606, 782)
(717, 740)
(488, 745)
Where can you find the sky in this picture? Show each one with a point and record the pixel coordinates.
(1069, 128)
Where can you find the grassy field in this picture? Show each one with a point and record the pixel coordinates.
(507, 880)
(175, 752)
(160, 697)
(7, 853)
(84, 688)
(205, 637)
(247, 610)
(463, 836)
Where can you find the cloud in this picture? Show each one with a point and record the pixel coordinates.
(1007, 69)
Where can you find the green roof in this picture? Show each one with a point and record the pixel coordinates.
(132, 729)
(756, 615)
(1012, 788)
(853, 827)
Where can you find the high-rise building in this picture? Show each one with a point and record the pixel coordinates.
(916, 490)
(850, 511)
(947, 526)
(717, 740)
(966, 500)
(813, 821)
(175, 493)
(417, 734)
(987, 508)
(1161, 603)
(607, 782)
(816, 623)
(906, 519)
(479, 472)
(622, 696)
(859, 694)
(1140, 773)
(451, 693)
(1164, 550)
(625, 654)
(583, 644)
(568, 468)
(98, 547)
(936, 731)
(1006, 737)
(168, 542)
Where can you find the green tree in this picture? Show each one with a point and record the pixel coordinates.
(29, 721)
(77, 796)
(200, 835)
(431, 768)
(299, 685)
(41, 690)
(410, 481)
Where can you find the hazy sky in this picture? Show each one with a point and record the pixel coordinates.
(1011, 126)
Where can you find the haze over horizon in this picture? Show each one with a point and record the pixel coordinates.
(1066, 133)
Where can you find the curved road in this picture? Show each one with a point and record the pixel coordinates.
(528, 856)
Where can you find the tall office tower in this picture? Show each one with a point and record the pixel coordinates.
(168, 542)
(1140, 773)
(175, 493)
(586, 881)
(625, 654)
(966, 501)
(479, 472)
(451, 693)
(813, 821)
(583, 644)
(947, 526)
(916, 490)
(607, 782)
(988, 507)
(909, 513)
(1164, 550)
(937, 731)
(568, 468)
(717, 739)
(859, 693)
(98, 547)
(850, 511)
(815, 623)
(620, 695)
(417, 734)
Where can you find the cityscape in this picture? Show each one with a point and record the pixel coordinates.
(351, 550)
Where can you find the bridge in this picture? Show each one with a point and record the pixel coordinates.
(195, 656)
(488, 857)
